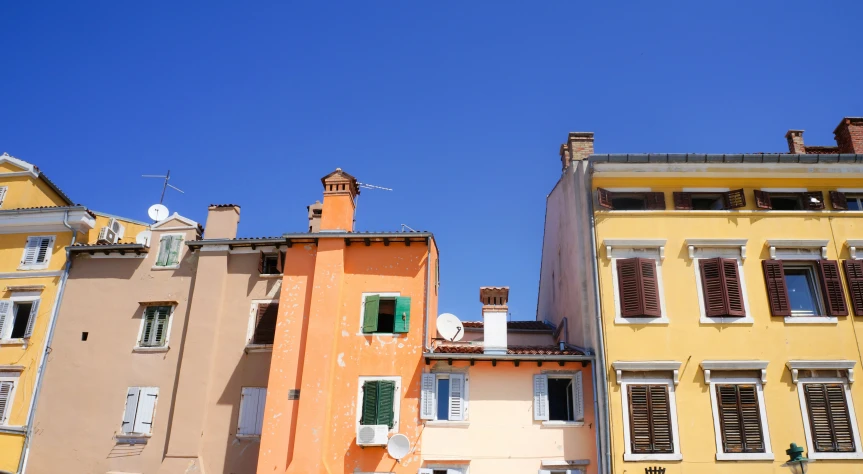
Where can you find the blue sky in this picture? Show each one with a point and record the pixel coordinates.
(460, 107)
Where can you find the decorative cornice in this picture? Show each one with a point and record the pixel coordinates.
(693, 244)
(658, 244)
(708, 365)
(672, 366)
(797, 244)
(796, 365)
(853, 245)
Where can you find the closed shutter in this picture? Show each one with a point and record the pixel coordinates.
(762, 199)
(735, 199)
(370, 313)
(251, 417)
(132, 396)
(146, 410)
(403, 314)
(831, 287)
(739, 418)
(456, 397)
(3, 190)
(386, 403)
(639, 419)
(370, 402)
(280, 265)
(149, 322)
(427, 397)
(829, 419)
(176, 245)
(5, 317)
(839, 200)
(650, 419)
(31, 250)
(44, 251)
(854, 277)
(578, 396)
(604, 197)
(540, 397)
(31, 321)
(655, 201)
(164, 251)
(160, 326)
(683, 201)
(265, 323)
(777, 292)
(720, 282)
(813, 200)
(5, 400)
(259, 415)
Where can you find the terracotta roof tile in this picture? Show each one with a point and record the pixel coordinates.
(224, 205)
(513, 350)
(513, 325)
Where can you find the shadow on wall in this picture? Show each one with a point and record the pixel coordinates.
(126, 450)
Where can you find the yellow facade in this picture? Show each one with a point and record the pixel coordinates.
(687, 339)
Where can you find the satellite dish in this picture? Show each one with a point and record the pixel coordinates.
(398, 446)
(143, 237)
(158, 212)
(449, 327)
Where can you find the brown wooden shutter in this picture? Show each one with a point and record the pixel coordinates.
(280, 266)
(650, 419)
(261, 263)
(660, 419)
(715, 304)
(739, 418)
(838, 200)
(831, 287)
(629, 287)
(777, 292)
(854, 277)
(829, 420)
(604, 197)
(683, 201)
(655, 201)
(265, 324)
(733, 288)
(735, 199)
(649, 288)
(762, 199)
(639, 419)
(813, 200)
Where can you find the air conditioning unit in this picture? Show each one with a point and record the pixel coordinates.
(119, 229)
(107, 236)
(372, 435)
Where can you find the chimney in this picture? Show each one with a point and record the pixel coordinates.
(494, 311)
(315, 211)
(795, 142)
(849, 135)
(578, 146)
(222, 221)
(340, 191)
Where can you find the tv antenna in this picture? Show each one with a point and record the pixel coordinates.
(365, 186)
(167, 185)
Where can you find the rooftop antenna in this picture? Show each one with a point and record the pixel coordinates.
(365, 186)
(405, 226)
(167, 185)
(158, 211)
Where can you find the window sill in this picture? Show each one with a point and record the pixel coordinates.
(166, 267)
(562, 424)
(811, 320)
(33, 267)
(742, 321)
(744, 456)
(447, 424)
(249, 437)
(652, 457)
(13, 342)
(258, 348)
(13, 429)
(270, 275)
(815, 455)
(393, 334)
(150, 349)
(641, 321)
(132, 438)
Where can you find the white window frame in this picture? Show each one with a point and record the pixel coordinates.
(163, 348)
(803, 251)
(566, 374)
(445, 374)
(179, 253)
(561, 471)
(250, 330)
(257, 422)
(38, 266)
(648, 248)
(13, 377)
(3, 191)
(767, 455)
(22, 297)
(735, 249)
(804, 411)
(856, 191)
(397, 400)
(628, 455)
(450, 468)
(382, 294)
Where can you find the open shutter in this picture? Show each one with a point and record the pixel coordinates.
(261, 263)
(735, 199)
(733, 288)
(3, 190)
(831, 288)
(713, 287)
(146, 409)
(370, 402)
(427, 397)
(280, 266)
(777, 292)
(403, 314)
(660, 419)
(853, 275)
(31, 321)
(540, 397)
(370, 313)
(132, 396)
(578, 396)
(250, 406)
(639, 419)
(629, 287)
(31, 250)
(456, 397)
(164, 250)
(839, 200)
(655, 201)
(813, 200)
(46, 244)
(683, 201)
(386, 403)
(5, 400)
(259, 415)
(160, 325)
(265, 323)
(604, 197)
(176, 245)
(762, 199)
(5, 316)
(149, 323)
(649, 288)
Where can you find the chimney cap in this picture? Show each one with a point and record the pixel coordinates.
(794, 132)
(848, 121)
(340, 177)
(494, 295)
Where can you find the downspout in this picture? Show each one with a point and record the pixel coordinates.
(426, 345)
(49, 336)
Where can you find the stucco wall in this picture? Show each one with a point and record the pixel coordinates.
(26, 191)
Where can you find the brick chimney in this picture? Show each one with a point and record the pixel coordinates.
(795, 142)
(222, 221)
(578, 146)
(849, 135)
(315, 211)
(494, 314)
(340, 192)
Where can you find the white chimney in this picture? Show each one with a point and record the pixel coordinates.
(494, 311)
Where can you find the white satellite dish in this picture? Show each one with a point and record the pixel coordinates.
(450, 327)
(143, 237)
(398, 446)
(158, 212)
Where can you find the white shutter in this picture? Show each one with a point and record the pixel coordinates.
(30, 251)
(456, 397)
(453, 471)
(5, 400)
(45, 247)
(252, 403)
(424, 470)
(31, 322)
(5, 316)
(578, 397)
(427, 397)
(544, 471)
(540, 397)
(262, 402)
(146, 410)
(132, 396)
(3, 190)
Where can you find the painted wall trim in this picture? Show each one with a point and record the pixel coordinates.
(694, 244)
(775, 244)
(853, 245)
(709, 365)
(672, 366)
(611, 244)
(796, 365)
(29, 274)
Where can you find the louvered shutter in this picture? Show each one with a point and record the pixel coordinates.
(370, 402)
(160, 325)
(31, 321)
(427, 397)
(132, 396)
(629, 287)
(740, 418)
(176, 245)
(149, 323)
(386, 403)
(649, 288)
(650, 419)
(5, 316)
(713, 288)
(777, 292)
(164, 251)
(578, 396)
(831, 288)
(813, 200)
(280, 266)
(683, 201)
(3, 190)
(604, 197)
(456, 397)
(829, 419)
(750, 418)
(146, 410)
(403, 314)
(540, 397)
(639, 419)
(733, 287)
(370, 313)
(839, 200)
(31, 250)
(762, 199)
(261, 262)
(735, 199)
(44, 251)
(854, 277)
(265, 325)
(655, 201)
(660, 419)
(5, 400)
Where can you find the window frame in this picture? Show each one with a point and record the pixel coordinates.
(644, 193)
(180, 251)
(38, 266)
(628, 455)
(810, 267)
(437, 466)
(397, 397)
(721, 455)
(135, 434)
(382, 294)
(434, 421)
(804, 411)
(733, 250)
(250, 330)
(799, 193)
(577, 393)
(625, 253)
(6, 329)
(14, 378)
(166, 345)
(795, 253)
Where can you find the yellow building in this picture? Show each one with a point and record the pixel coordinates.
(37, 222)
(723, 294)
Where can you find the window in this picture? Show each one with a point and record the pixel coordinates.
(37, 253)
(386, 314)
(638, 288)
(444, 397)
(561, 471)
(831, 429)
(630, 201)
(380, 401)
(846, 201)
(740, 415)
(558, 397)
(649, 418)
(709, 201)
(444, 469)
(170, 246)
(18, 317)
(804, 288)
(264, 317)
(251, 419)
(7, 394)
(155, 326)
(3, 190)
(271, 263)
(721, 287)
(140, 410)
(789, 201)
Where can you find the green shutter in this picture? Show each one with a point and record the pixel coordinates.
(164, 250)
(149, 322)
(386, 397)
(370, 402)
(403, 314)
(370, 314)
(176, 243)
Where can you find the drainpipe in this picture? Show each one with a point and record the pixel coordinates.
(49, 336)
(426, 345)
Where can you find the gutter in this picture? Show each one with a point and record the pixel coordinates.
(428, 288)
(45, 210)
(519, 357)
(312, 237)
(138, 248)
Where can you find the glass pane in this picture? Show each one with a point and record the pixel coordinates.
(801, 291)
(443, 399)
(854, 203)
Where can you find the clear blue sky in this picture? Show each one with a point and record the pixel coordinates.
(460, 107)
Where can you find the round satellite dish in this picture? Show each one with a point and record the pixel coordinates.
(143, 237)
(158, 212)
(398, 446)
(450, 327)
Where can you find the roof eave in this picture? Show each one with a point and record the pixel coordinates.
(497, 357)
